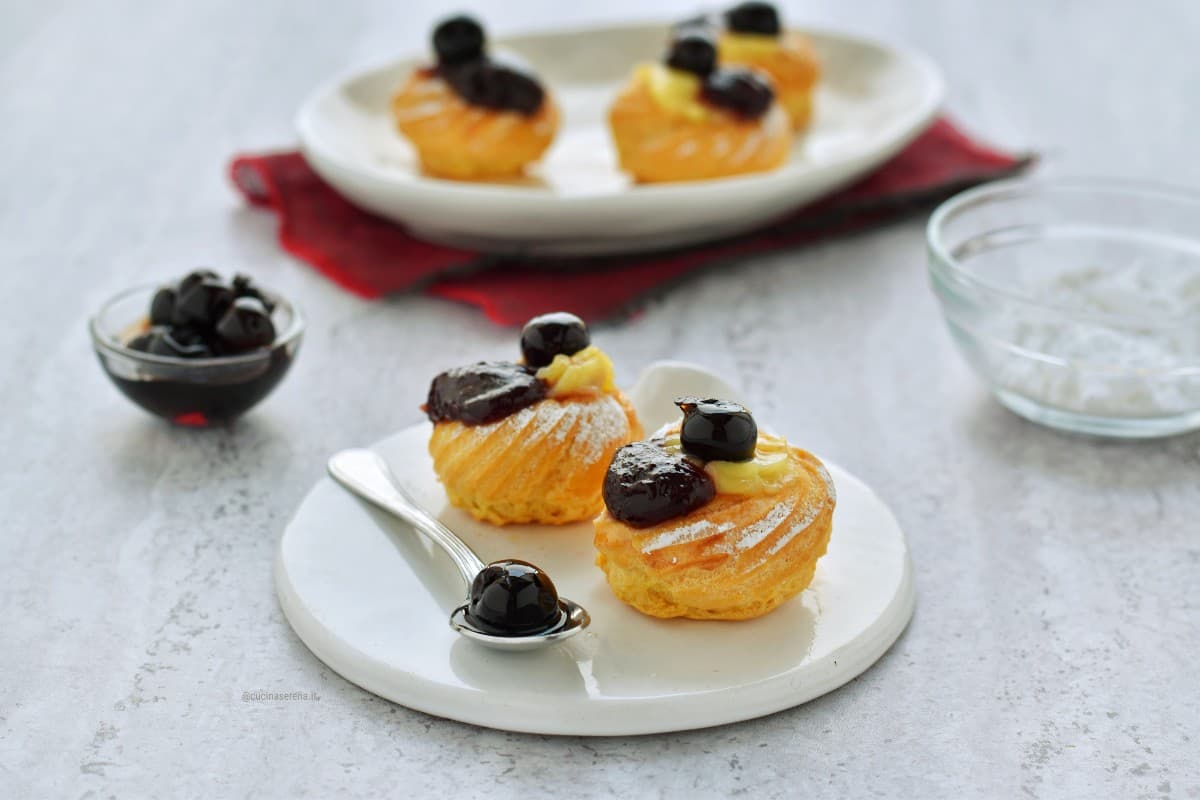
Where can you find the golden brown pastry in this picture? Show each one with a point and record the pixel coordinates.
(530, 442)
(472, 116)
(712, 519)
(686, 120)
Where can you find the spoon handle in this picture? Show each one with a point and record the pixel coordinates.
(367, 475)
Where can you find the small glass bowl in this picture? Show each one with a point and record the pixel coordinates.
(191, 391)
(1077, 301)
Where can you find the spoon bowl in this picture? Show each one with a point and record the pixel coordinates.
(573, 619)
(367, 475)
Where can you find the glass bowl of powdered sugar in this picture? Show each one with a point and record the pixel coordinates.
(1078, 301)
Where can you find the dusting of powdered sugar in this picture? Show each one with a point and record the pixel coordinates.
(756, 533)
(602, 422)
(528, 423)
(700, 529)
(801, 524)
(1100, 364)
(561, 419)
(753, 534)
(596, 425)
(798, 527)
(827, 479)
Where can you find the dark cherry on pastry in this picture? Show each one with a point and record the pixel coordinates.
(549, 335)
(483, 392)
(717, 430)
(693, 50)
(739, 90)
(513, 598)
(458, 39)
(497, 84)
(482, 80)
(646, 485)
(491, 390)
(753, 17)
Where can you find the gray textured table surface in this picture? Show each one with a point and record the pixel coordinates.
(1054, 649)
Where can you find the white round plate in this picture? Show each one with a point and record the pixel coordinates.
(874, 97)
(371, 599)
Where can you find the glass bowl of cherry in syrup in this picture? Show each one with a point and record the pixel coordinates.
(200, 351)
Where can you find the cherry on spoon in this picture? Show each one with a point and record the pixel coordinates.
(513, 605)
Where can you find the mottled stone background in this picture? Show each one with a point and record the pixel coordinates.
(1054, 649)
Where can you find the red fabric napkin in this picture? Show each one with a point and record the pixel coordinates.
(373, 257)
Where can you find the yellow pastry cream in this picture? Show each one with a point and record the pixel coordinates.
(673, 90)
(588, 371)
(736, 48)
(765, 473)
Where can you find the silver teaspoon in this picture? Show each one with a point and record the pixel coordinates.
(367, 475)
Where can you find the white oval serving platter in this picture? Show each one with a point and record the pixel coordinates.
(874, 98)
(371, 599)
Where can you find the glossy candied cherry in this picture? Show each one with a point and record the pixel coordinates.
(202, 303)
(151, 341)
(550, 335)
(753, 17)
(740, 91)
(458, 39)
(189, 342)
(501, 85)
(483, 392)
(693, 50)
(244, 326)
(646, 484)
(717, 430)
(162, 307)
(243, 286)
(194, 277)
(513, 598)
(173, 342)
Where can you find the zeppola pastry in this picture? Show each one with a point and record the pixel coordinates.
(530, 441)
(685, 119)
(472, 116)
(750, 35)
(711, 519)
